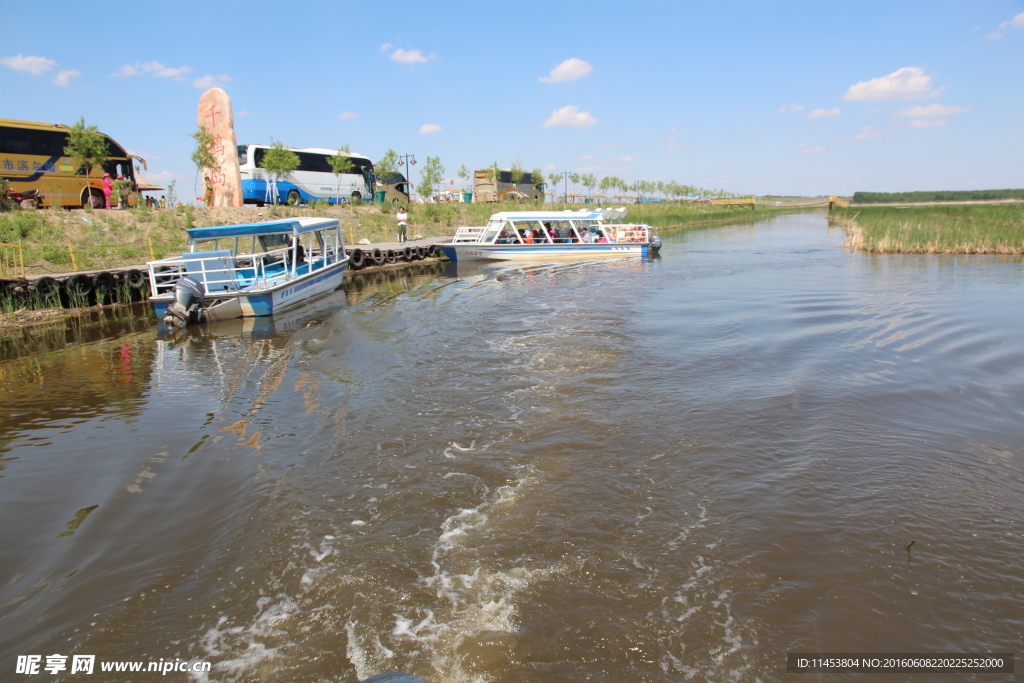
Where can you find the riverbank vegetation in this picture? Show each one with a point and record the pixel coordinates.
(947, 196)
(57, 241)
(954, 229)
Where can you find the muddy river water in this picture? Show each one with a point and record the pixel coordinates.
(621, 471)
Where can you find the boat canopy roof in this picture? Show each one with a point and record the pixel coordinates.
(591, 215)
(292, 226)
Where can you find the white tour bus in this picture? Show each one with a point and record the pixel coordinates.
(313, 179)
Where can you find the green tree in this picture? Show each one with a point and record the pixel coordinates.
(537, 177)
(202, 154)
(87, 148)
(464, 174)
(432, 174)
(554, 179)
(589, 182)
(493, 174)
(517, 172)
(341, 163)
(278, 162)
(386, 168)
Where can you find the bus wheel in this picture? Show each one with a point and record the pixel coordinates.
(92, 198)
(356, 197)
(294, 198)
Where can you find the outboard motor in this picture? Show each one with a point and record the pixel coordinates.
(187, 306)
(655, 244)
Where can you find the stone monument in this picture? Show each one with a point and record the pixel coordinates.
(216, 116)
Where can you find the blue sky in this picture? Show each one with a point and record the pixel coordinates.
(751, 97)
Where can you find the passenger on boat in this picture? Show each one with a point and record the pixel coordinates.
(603, 239)
(300, 251)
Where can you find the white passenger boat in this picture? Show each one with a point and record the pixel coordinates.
(515, 235)
(281, 265)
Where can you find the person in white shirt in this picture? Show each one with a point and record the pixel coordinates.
(403, 219)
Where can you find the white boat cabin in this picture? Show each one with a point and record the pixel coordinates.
(555, 227)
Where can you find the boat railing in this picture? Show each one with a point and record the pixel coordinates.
(467, 235)
(219, 271)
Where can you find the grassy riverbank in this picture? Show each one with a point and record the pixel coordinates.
(105, 239)
(950, 229)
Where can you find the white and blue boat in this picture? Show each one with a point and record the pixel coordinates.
(531, 235)
(266, 268)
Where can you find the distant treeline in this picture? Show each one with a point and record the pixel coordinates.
(949, 196)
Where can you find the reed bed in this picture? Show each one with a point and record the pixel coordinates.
(950, 229)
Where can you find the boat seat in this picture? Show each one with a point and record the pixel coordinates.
(215, 269)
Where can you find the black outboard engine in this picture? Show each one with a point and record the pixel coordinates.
(655, 244)
(187, 306)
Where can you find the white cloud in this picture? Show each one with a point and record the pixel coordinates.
(824, 113)
(927, 123)
(932, 110)
(33, 65)
(569, 116)
(570, 70)
(64, 77)
(627, 159)
(428, 128)
(1016, 22)
(587, 157)
(348, 116)
(145, 155)
(993, 36)
(385, 46)
(153, 69)
(867, 133)
(207, 82)
(789, 108)
(243, 112)
(408, 56)
(908, 83)
(811, 150)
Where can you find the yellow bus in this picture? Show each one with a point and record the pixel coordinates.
(32, 158)
(527, 188)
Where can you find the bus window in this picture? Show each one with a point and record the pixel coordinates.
(243, 155)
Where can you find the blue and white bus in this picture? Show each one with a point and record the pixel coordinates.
(313, 179)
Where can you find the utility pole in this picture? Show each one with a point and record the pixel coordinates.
(408, 160)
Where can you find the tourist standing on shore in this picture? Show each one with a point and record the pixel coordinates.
(108, 188)
(403, 219)
(208, 192)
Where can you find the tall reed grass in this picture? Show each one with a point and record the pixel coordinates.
(949, 229)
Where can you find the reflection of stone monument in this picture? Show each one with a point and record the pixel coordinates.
(216, 116)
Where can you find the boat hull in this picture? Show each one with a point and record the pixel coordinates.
(526, 252)
(278, 299)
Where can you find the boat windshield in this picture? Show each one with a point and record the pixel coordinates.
(272, 242)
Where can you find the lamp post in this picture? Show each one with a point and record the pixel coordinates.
(565, 186)
(408, 160)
